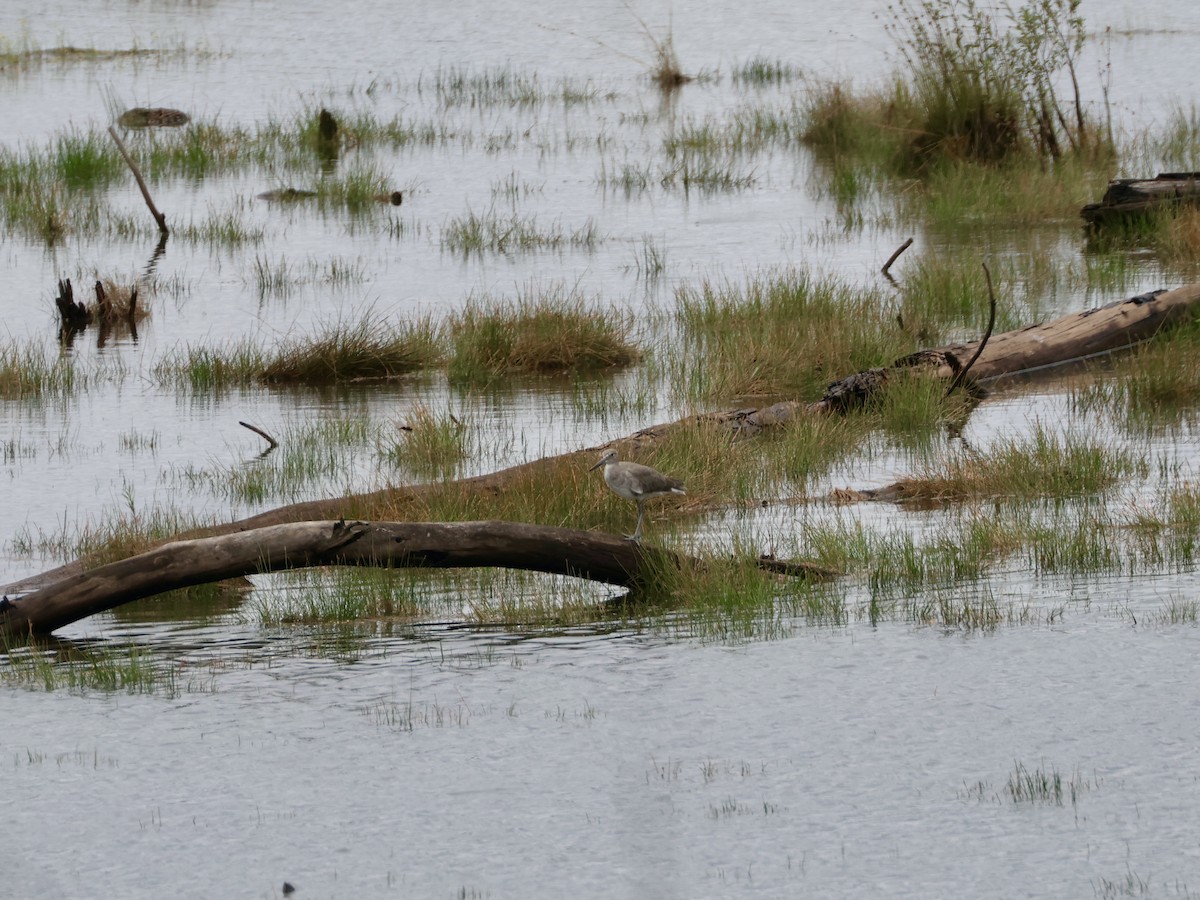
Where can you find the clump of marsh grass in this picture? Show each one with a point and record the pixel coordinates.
(699, 171)
(502, 86)
(964, 610)
(960, 196)
(280, 276)
(115, 303)
(977, 114)
(50, 193)
(1040, 786)
(368, 348)
(81, 668)
(812, 445)
(274, 277)
(27, 373)
(914, 405)
(871, 127)
(940, 293)
(649, 260)
(360, 189)
(342, 595)
(1180, 611)
(733, 602)
(120, 301)
(427, 443)
(1043, 464)
(19, 57)
(1171, 529)
(760, 71)
(1175, 236)
(782, 333)
(206, 369)
(1173, 147)
(228, 228)
(556, 492)
(122, 535)
(552, 331)
(201, 149)
(1180, 241)
(87, 160)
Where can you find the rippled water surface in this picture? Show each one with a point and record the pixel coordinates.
(791, 757)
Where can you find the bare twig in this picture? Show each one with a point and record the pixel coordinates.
(895, 256)
(262, 434)
(158, 217)
(962, 374)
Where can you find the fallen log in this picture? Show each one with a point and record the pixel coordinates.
(604, 558)
(1071, 338)
(1128, 198)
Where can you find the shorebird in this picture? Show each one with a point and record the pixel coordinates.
(636, 482)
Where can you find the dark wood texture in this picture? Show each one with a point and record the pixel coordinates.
(439, 545)
(1131, 197)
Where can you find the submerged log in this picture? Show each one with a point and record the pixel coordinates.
(153, 117)
(563, 551)
(291, 195)
(1128, 198)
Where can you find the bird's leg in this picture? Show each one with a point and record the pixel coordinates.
(637, 532)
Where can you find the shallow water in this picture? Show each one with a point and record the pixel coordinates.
(838, 762)
(440, 761)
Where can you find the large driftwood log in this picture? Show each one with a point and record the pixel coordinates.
(1130, 197)
(1070, 338)
(564, 551)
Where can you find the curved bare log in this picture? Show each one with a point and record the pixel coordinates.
(442, 545)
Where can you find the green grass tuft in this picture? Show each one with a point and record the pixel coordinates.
(549, 332)
(366, 349)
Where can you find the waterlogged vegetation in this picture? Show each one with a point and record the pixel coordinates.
(1037, 787)
(980, 130)
(366, 348)
(83, 668)
(430, 444)
(554, 330)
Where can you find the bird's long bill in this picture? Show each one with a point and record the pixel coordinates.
(598, 465)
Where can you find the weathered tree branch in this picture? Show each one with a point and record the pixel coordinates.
(141, 183)
(895, 256)
(563, 551)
